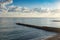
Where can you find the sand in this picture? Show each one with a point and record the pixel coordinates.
(55, 37)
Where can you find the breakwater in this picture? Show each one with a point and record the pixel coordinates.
(52, 29)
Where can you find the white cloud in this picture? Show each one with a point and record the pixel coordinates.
(14, 8)
(45, 11)
(3, 5)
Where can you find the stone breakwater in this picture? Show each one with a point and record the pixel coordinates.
(52, 29)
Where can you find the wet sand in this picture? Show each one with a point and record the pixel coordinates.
(55, 37)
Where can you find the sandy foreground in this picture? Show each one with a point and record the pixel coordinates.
(55, 37)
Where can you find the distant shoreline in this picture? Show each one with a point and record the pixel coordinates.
(29, 17)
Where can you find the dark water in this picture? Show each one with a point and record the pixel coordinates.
(10, 31)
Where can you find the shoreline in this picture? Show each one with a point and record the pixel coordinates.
(55, 37)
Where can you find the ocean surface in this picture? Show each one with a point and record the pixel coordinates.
(10, 31)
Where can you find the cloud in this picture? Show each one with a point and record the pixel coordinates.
(6, 2)
(18, 9)
(3, 4)
(43, 11)
(43, 8)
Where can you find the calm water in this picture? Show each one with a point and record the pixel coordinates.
(10, 31)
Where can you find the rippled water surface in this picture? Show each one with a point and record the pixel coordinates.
(10, 31)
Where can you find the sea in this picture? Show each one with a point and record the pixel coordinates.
(10, 31)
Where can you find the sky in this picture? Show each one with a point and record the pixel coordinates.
(36, 3)
(25, 5)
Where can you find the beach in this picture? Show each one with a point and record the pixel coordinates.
(55, 37)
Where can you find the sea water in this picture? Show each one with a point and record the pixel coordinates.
(10, 31)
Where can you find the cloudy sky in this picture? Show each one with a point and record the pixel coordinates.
(37, 3)
(25, 6)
